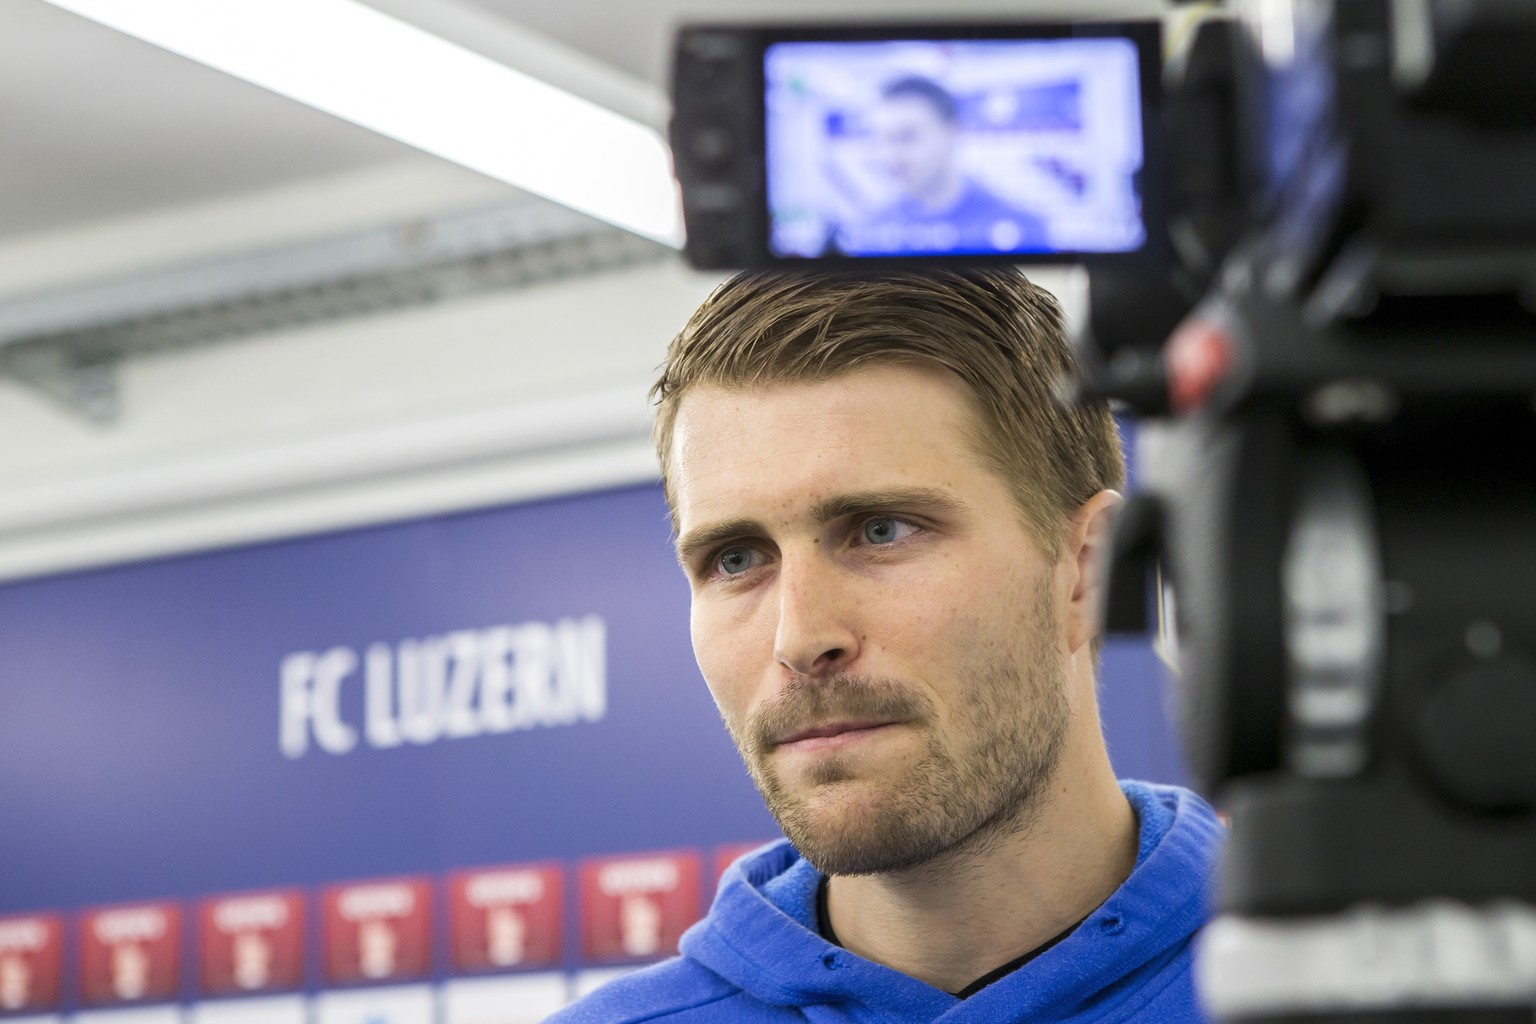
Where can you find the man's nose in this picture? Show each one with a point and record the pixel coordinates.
(816, 635)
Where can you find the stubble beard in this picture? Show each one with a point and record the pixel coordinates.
(945, 800)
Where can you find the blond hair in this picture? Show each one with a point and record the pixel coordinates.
(1000, 334)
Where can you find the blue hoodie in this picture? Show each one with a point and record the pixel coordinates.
(757, 957)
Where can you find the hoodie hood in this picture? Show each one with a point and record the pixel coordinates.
(760, 936)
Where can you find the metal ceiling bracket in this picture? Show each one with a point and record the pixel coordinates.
(84, 387)
(68, 343)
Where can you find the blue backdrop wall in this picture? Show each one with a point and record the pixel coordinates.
(499, 686)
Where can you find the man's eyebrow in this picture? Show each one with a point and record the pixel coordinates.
(690, 544)
(896, 499)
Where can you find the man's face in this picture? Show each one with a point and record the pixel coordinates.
(914, 145)
(876, 624)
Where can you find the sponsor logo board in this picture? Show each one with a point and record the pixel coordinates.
(637, 907)
(29, 963)
(130, 953)
(378, 931)
(252, 942)
(506, 918)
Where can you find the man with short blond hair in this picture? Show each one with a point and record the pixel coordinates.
(894, 535)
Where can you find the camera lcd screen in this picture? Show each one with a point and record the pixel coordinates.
(955, 147)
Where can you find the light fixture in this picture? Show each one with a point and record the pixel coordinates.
(361, 65)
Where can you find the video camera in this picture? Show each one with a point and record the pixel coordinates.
(1311, 242)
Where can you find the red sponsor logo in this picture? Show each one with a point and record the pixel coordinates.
(130, 954)
(252, 942)
(637, 907)
(29, 962)
(378, 931)
(507, 917)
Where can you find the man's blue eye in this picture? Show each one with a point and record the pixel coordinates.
(882, 530)
(733, 561)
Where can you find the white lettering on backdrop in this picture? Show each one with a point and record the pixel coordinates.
(469, 682)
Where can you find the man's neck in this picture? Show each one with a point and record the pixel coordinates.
(952, 920)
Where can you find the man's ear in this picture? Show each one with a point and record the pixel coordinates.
(1086, 559)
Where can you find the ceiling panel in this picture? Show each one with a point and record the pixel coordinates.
(100, 125)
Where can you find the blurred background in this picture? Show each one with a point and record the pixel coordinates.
(344, 667)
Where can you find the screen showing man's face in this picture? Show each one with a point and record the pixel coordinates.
(941, 147)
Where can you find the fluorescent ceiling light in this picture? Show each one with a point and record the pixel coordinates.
(350, 60)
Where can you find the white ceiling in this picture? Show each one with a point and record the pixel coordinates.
(98, 126)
